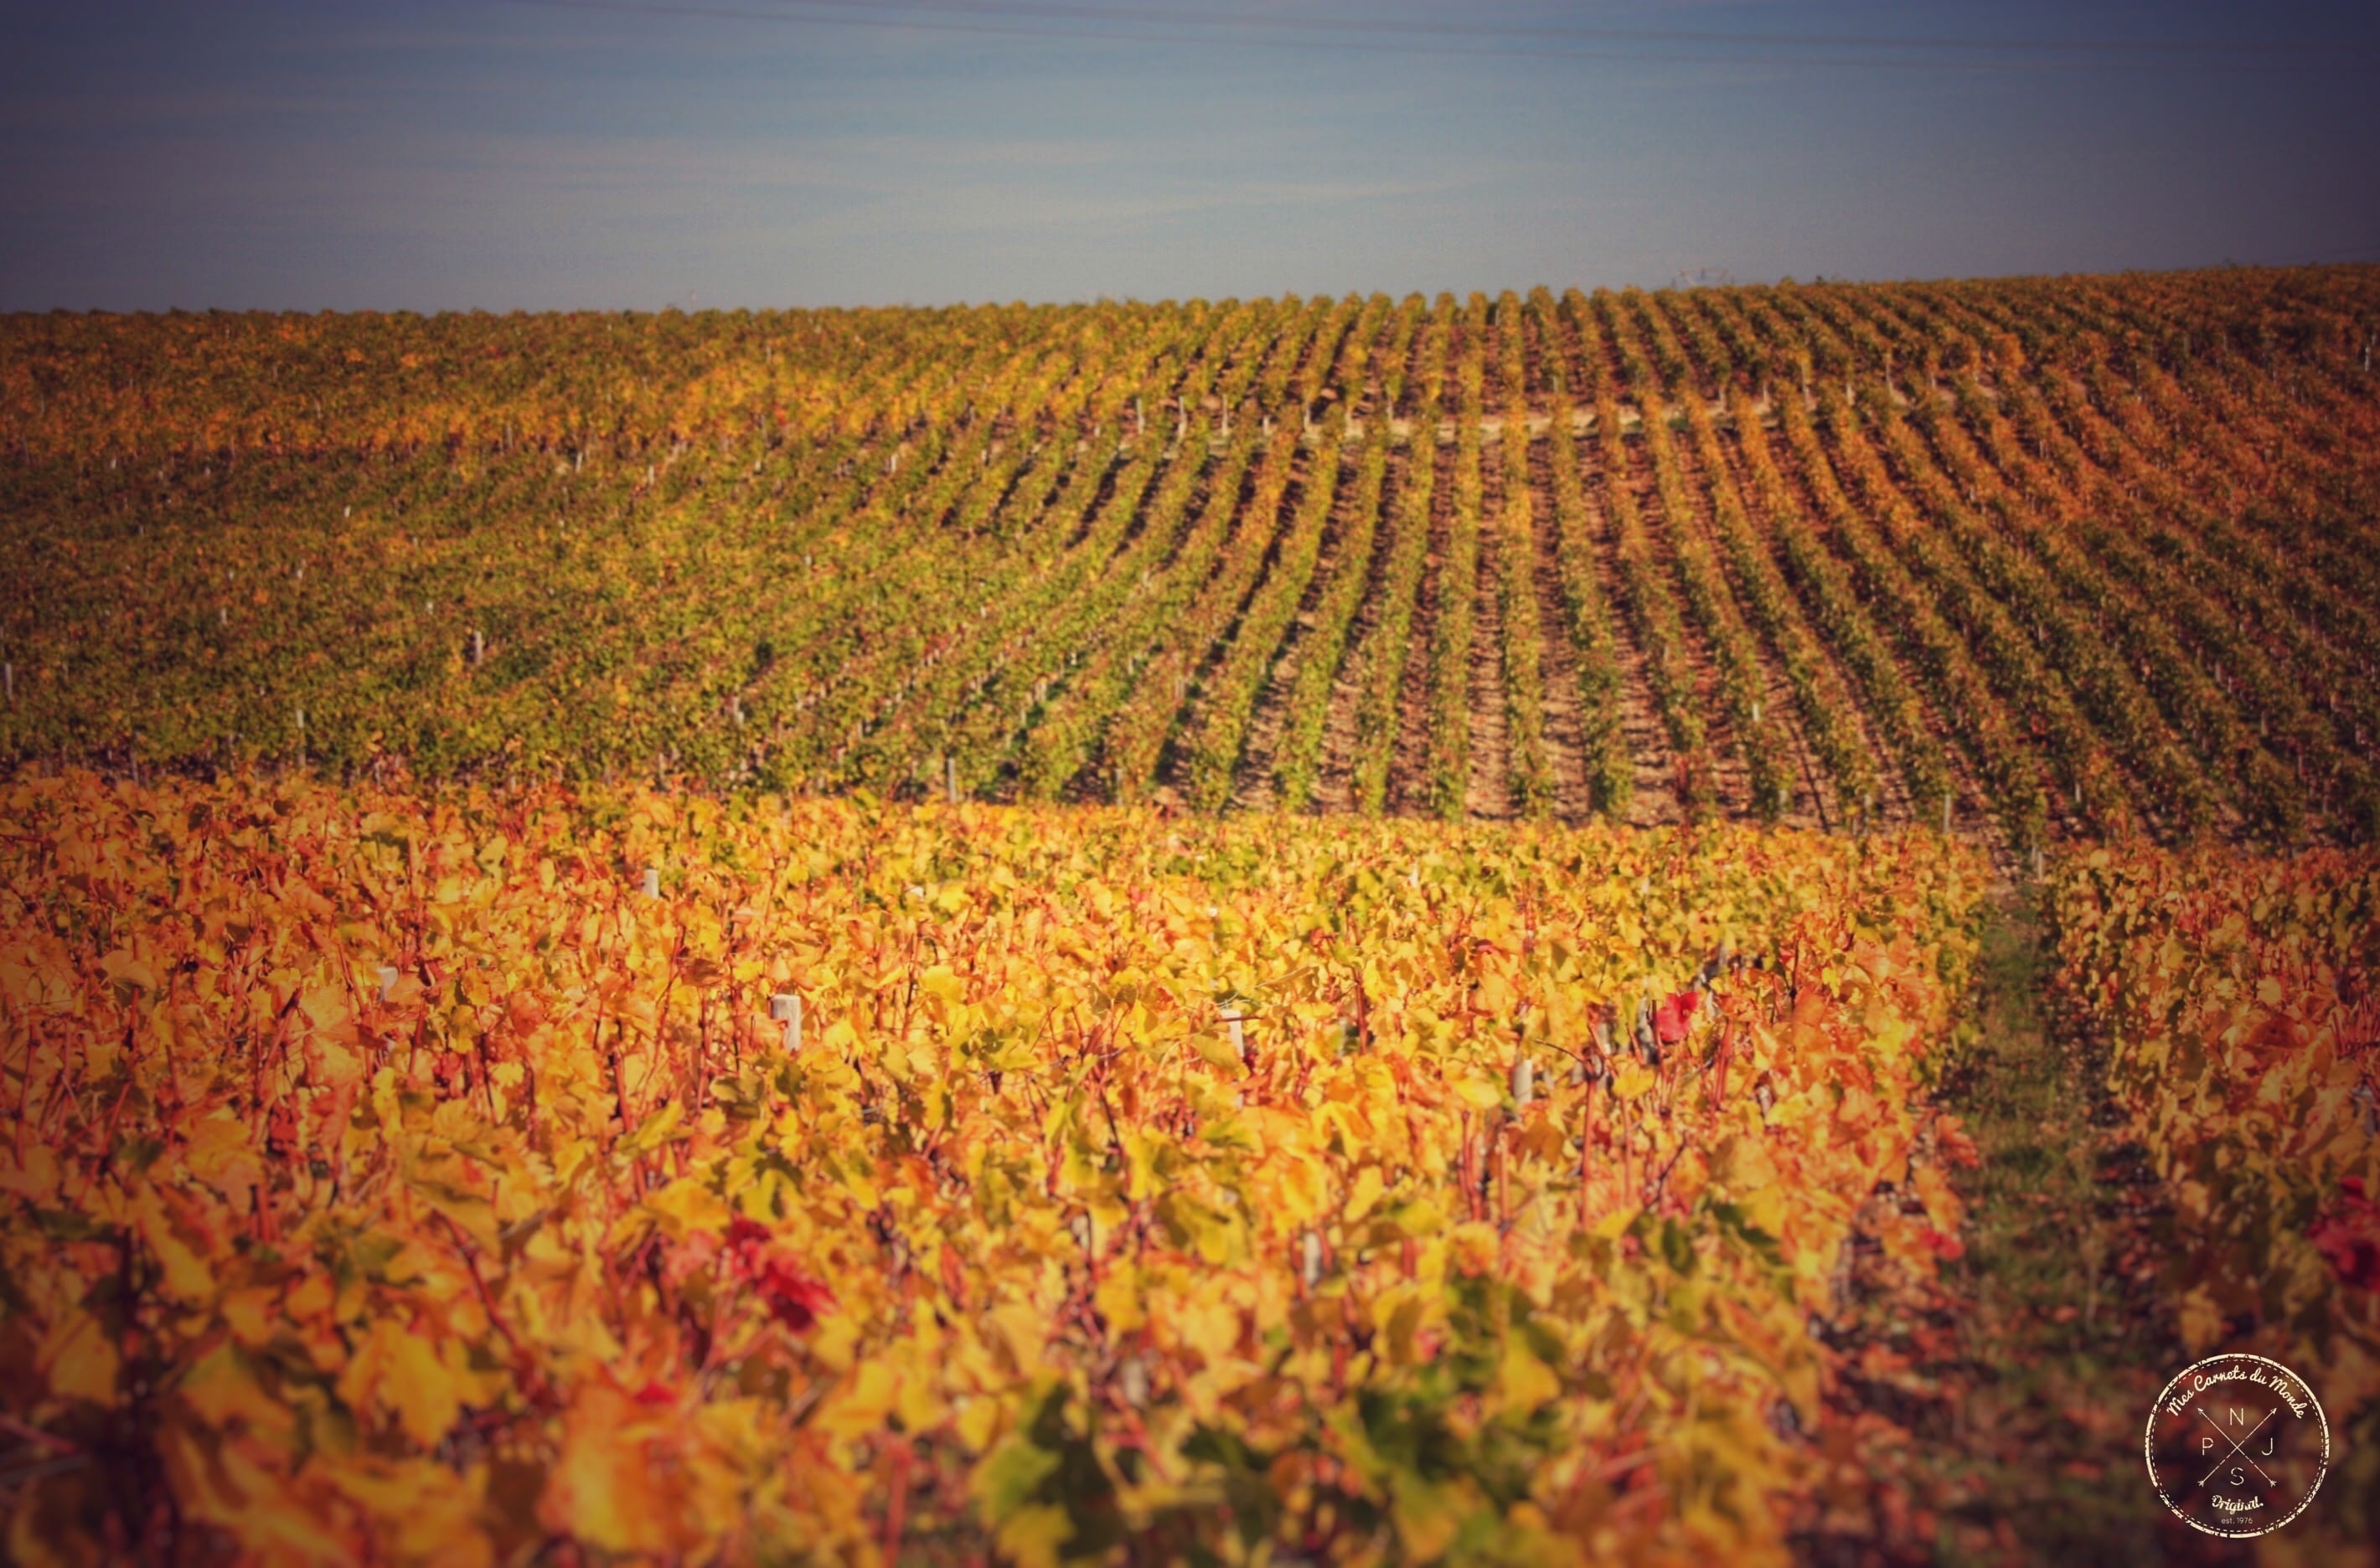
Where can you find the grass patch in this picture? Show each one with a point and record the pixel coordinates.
(2063, 1340)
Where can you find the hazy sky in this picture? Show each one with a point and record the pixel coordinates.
(547, 153)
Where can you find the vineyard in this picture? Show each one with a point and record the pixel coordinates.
(2237, 997)
(432, 1183)
(1715, 925)
(2036, 560)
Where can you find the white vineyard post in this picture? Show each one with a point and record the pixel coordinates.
(653, 881)
(1525, 1082)
(951, 776)
(785, 1008)
(387, 977)
(1310, 1263)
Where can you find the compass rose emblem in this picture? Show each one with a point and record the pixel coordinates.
(2237, 1445)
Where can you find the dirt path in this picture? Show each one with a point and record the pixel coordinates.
(1252, 784)
(1558, 662)
(1334, 784)
(1817, 800)
(1487, 792)
(1334, 776)
(1597, 341)
(1408, 793)
(2023, 1385)
(1192, 699)
(1537, 358)
(1655, 798)
(1661, 531)
(1890, 784)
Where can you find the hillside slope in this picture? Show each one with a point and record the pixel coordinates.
(2040, 558)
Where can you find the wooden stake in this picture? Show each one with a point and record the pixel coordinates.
(1501, 1176)
(896, 1506)
(1586, 1146)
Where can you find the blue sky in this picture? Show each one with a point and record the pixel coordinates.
(548, 153)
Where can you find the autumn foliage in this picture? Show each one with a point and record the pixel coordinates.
(2235, 998)
(2033, 559)
(390, 1178)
